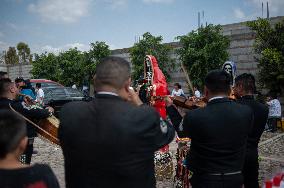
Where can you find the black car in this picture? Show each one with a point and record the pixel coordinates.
(58, 96)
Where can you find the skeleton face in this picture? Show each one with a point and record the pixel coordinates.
(148, 70)
(228, 69)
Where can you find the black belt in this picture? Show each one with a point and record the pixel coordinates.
(225, 174)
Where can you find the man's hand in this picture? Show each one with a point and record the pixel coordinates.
(169, 101)
(134, 98)
(28, 100)
(50, 109)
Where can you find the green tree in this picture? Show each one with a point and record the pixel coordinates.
(269, 43)
(98, 51)
(11, 56)
(203, 50)
(24, 52)
(70, 67)
(45, 66)
(151, 45)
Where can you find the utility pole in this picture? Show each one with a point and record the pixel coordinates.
(198, 19)
(262, 8)
(267, 10)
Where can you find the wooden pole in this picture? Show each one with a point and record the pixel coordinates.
(187, 78)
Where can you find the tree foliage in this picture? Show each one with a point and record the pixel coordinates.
(11, 56)
(98, 51)
(24, 53)
(150, 45)
(70, 67)
(45, 66)
(203, 50)
(269, 43)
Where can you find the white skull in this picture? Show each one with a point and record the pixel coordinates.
(228, 69)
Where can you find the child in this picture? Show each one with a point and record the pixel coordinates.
(274, 112)
(39, 94)
(13, 141)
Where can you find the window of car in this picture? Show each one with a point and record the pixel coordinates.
(74, 92)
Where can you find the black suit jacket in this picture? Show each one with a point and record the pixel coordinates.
(260, 112)
(218, 135)
(109, 142)
(30, 113)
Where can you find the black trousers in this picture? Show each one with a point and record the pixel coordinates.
(27, 155)
(272, 124)
(213, 181)
(250, 170)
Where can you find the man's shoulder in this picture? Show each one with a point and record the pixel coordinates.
(261, 106)
(240, 108)
(254, 105)
(224, 105)
(4, 102)
(75, 106)
(142, 112)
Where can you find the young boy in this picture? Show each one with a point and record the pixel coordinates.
(13, 141)
(39, 94)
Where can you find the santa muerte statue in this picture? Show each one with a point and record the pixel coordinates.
(152, 91)
(231, 68)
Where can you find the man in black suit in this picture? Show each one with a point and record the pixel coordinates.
(8, 95)
(110, 141)
(218, 135)
(244, 90)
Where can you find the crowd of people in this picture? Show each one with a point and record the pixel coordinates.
(111, 140)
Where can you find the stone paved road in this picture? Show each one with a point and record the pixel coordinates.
(52, 155)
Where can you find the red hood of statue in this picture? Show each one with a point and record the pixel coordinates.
(159, 83)
(158, 79)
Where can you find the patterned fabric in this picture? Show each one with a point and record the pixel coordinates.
(274, 108)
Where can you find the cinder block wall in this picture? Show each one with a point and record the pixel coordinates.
(15, 71)
(3, 67)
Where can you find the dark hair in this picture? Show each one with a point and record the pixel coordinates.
(4, 83)
(2, 74)
(38, 85)
(12, 130)
(19, 79)
(178, 85)
(112, 71)
(272, 94)
(247, 81)
(218, 81)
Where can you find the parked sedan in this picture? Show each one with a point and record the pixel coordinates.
(45, 83)
(58, 96)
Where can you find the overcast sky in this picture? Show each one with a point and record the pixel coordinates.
(56, 25)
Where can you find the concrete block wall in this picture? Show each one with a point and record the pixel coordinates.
(15, 71)
(3, 67)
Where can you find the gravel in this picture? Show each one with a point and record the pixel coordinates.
(271, 155)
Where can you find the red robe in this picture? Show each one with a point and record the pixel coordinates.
(160, 88)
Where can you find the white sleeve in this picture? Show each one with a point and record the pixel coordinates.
(179, 92)
(40, 93)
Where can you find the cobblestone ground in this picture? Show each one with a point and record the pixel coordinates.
(271, 152)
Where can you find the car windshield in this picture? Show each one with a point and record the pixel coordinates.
(74, 92)
(61, 93)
